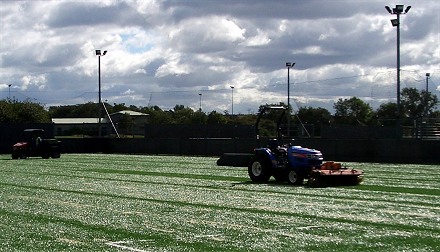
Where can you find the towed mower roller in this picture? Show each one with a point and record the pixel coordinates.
(333, 174)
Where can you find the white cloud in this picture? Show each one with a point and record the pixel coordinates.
(29, 82)
(262, 38)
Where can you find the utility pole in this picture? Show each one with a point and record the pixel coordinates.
(398, 10)
(288, 65)
(98, 53)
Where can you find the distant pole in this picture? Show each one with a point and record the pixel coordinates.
(200, 95)
(9, 85)
(232, 109)
(427, 77)
(98, 53)
(398, 10)
(426, 95)
(288, 65)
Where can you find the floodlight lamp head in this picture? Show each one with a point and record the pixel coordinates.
(407, 9)
(428, 74)
(290, 64)
(399, 8)
(98, 52)
(105, 52)
(388, 9)
(395, 22)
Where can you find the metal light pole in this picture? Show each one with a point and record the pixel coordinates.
(427, 77)
(232, 109)
(398, 10)
(9, 85)
(288, 65)
(98, 53)
(426, 95)
(200, 95)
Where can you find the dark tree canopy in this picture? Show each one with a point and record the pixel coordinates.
(353, 111)
(23, 112)
(416, 104)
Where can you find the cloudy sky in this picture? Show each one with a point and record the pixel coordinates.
(182, 52)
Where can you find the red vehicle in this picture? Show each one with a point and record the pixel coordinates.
(34, 144)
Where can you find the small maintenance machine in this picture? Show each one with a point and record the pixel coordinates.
(33, 143)
(294, 164)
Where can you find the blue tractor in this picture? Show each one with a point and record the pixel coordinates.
(286, 162)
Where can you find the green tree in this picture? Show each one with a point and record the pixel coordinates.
(199, 117)
(89, 109)
(157, 116)
(313, 119)
(125, 123)
(317, 116)
(352, 111)
(387, 110)
(216, 118)
(274, 114)
(118, 107)
(23, 112)
(415, 104)
(182, 114)
(6, 111)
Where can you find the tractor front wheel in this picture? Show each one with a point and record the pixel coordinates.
(259, 169)
(293, 178)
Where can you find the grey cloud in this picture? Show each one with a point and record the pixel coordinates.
(89, 13)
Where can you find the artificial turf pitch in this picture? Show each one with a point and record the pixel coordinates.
(96, 202)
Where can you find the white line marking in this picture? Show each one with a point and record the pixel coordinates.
(308, 227)
(118, 245)
(207, 235)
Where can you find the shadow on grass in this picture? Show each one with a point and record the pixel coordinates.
(274, 183)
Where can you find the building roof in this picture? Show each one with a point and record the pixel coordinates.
(94, 119)
(77, 120)
(130, 112)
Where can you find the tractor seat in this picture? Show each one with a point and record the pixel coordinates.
(274, 146)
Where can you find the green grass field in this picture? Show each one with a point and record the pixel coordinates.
(92, 202)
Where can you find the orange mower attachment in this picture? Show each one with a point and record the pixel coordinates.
(333, 174)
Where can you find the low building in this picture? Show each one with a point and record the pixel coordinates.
(129, 122)
(125, 122)
(79, 126)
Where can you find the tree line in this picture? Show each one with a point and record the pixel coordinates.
(353, 111)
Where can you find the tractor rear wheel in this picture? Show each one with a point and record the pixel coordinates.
(56, 154)
(259, 169)
(294, 178)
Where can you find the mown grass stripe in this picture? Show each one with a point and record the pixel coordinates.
(402, 227)
(168, 174)
(232, 186)
(161, 240)
(400, 189)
